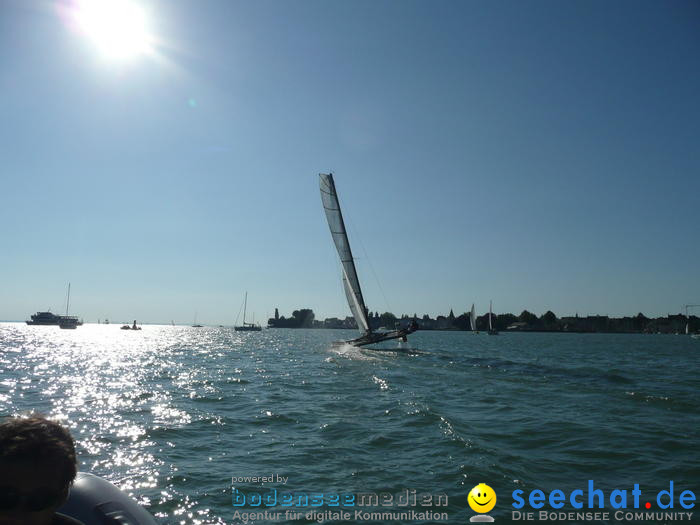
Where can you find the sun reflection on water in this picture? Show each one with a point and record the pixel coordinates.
(115, 390)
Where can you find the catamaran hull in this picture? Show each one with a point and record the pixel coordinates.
(378, 337)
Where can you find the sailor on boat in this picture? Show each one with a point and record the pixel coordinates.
(38, 471)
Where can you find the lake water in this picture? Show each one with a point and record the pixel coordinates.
(171, 414)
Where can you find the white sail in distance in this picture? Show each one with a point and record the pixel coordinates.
(490, 308)
(472, 318)
(329, 197)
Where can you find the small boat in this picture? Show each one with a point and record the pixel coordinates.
(132, 327)
(351, 283)
(195, 324)
(491, 330)
(247, 327)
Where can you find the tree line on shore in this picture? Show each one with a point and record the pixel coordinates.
(525, 322)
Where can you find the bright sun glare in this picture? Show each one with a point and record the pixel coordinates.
(118, 28)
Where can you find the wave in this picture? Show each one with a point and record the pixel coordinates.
(585, 374)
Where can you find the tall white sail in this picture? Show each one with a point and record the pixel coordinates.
(329, 197)
(472, 318)
(490, 307)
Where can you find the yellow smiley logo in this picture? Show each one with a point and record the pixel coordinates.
(482, 498)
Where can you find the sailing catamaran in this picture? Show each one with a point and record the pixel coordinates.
(247, 327)
(351, 283)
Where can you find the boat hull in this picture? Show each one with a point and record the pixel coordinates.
(69, 323)
(378, 337)
(44, 319)
(95, 501)
(49, 319)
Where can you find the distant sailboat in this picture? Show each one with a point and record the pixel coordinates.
(247, 327)
(195, 325)
(687, 321)
(472, 319)
(491, 330)
(68, 322)
(331, 205)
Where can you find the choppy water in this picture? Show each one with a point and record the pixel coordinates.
(171, 414)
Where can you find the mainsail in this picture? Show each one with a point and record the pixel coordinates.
(329, 197)
(472, 318)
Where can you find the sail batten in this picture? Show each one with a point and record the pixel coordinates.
(351, 283)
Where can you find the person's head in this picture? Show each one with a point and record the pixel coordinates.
(37, 467)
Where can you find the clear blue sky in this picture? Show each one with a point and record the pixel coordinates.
(543, 154)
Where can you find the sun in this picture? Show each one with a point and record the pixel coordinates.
(118, 28)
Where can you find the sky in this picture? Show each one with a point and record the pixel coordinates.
(543, 155)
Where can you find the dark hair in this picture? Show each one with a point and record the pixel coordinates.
(39, 440)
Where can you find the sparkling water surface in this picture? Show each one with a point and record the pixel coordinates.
(171, 414)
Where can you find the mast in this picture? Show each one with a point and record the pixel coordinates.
(68, 299)
(334, 215)
(245, 305)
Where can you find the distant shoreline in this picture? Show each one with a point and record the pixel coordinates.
(525, 322)
(534, 331)
(503, 323)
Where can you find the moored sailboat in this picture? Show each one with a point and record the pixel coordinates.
(247, 327)
(351, 283)
(68, 322)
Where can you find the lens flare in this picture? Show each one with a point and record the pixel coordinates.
(118, 28)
